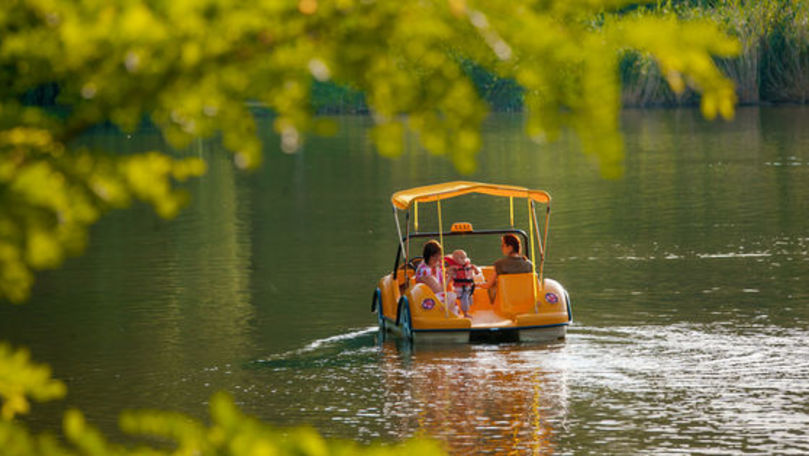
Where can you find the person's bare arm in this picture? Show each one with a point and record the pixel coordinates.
(489, 283)
(431, 282)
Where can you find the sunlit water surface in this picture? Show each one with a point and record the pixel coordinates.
(688, 277)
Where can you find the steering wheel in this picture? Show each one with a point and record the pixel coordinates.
(413, 263)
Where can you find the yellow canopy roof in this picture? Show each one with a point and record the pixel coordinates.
(404, 198)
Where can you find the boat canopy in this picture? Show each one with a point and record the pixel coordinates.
(405, 198)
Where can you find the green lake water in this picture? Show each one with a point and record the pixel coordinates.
(688, 276)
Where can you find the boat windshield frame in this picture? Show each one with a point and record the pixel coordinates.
(433, 234)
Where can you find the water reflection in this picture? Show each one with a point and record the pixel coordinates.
(476, 399)
(152, 302)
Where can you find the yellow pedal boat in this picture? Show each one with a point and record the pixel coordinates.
(526, 306)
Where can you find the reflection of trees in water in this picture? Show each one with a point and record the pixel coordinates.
(212, 257)
(189, 287)
(151, 300)
(477, 400)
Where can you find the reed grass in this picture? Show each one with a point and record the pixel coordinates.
(644, 85)
(503, 95)
(785, 66)
(773, 65)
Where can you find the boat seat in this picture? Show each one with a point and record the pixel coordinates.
(515, 294)
(401, 273)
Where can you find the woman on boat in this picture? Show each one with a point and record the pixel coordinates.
(513, 262)
(430, 273)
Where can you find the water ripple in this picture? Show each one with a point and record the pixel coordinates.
(719, 388)
(684, 388)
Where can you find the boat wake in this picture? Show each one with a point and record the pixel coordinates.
(339, 340)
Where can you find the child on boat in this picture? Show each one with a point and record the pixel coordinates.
(430, 273)
(462, 272)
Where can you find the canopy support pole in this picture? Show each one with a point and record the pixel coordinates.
(399, 230)
(533, 252)
(443, 271)
(407, 249)
(416, 216)
(511, 210)
(545, 243)
(539, 237)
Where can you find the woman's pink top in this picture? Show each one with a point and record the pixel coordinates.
(425, 271)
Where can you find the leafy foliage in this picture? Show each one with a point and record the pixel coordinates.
(772, 66)
(190, 66)
(19, 378)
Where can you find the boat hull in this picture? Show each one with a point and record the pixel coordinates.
(519, 313)
(528, 334)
